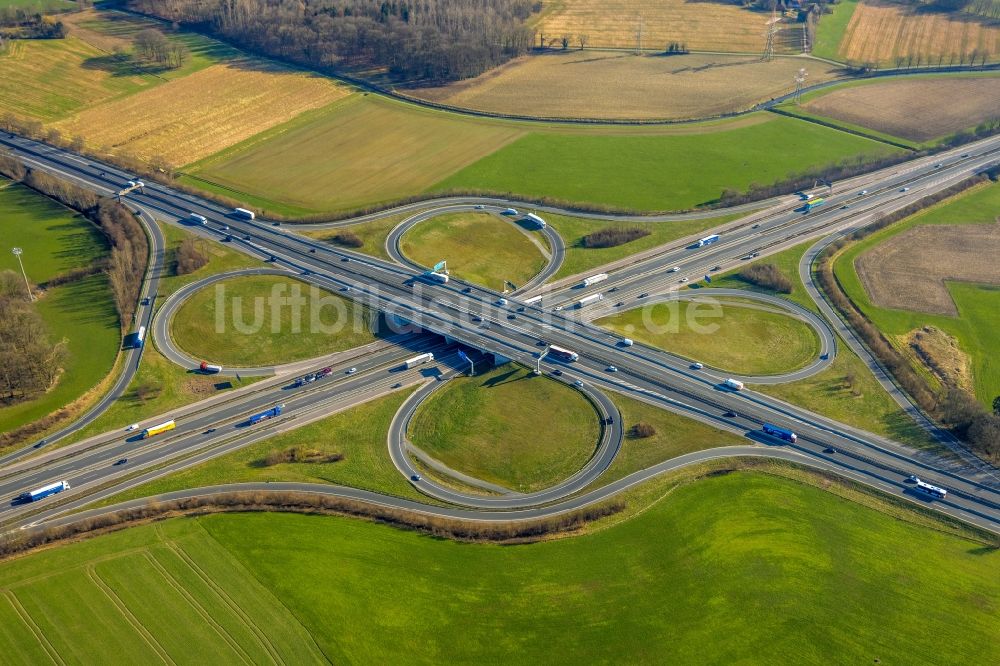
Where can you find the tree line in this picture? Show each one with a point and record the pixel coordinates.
(408, 39)
(30, 361)
(154, 46)
(126, 266)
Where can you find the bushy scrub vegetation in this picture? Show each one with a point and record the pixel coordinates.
(767, 276)
(614, 236)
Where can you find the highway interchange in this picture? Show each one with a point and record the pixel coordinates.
(474, 316)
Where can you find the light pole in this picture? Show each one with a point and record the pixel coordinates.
(27, 285)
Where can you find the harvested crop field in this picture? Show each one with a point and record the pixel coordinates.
(363, 150)
(48, 79)
(585, 84)
(919, 110)
(190, 118)
(882, 32)
(908, 271)
(702, 26)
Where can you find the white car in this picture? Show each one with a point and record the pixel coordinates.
(134, 426)
(612, 368)
(510, 211)
(479, 206)
(578, 382)
(683, 280)
(558, 308)
(697, 366)
(501, 301)
(862, 193)
(675, 269)
(905, 189)
(351, 371)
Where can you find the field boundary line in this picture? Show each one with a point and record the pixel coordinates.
(263, 586)
(198, 608)
(127, 613)
(29, 622)
(261, 635)
(841, 128)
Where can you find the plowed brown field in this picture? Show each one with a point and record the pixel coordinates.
(882, 32)
(908, 271)
(587, 84)
(918, 109)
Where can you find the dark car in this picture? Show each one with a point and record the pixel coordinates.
(730, 414)
(716, 268)
(512, 316)
(415, 477)
(145, 301)
(312, 250)
(209, 431)
(644, 295)
(619, 304)
(557, 372)
(345, 258)
(467, 290)
(121, 461)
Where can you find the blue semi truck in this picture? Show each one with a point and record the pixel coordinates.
(266, 414)
(43, 492)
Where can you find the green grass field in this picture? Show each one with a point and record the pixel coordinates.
(479, 248)
(40, 5)
(359, 434)
(508, 427)
(675, 436)
(372, 234)
(740, 567)
(830, 30)
(976, 328)
(658, 172)
(55, 240)
(267, 320)
(736, 336)
(579, 258)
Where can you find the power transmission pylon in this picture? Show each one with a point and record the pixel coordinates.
(772, 30)
(800, 80)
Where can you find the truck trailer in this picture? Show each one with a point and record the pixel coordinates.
(43, 492)
(244, 213)
(733, 384)
(531, 217)
(209, 368)
(418, 360)
(157, 429)
(589, 300)
(266, 414)
(594, 279)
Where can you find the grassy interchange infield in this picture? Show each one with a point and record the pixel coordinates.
(846, 391)
(479, 247)
(745, 338)
(82, 313)
(508, 427)
(708, 571)
(976, 326)
(260, 323)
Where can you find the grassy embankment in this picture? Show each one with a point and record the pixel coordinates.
(378, 150)
(371, 234)
(159, 385)
(739, 564)
(846, 391)
(508, 427)
(358, 434)
(56, 240)
(479, 248)
(976, 326)
(259, 324)
(737, 336)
